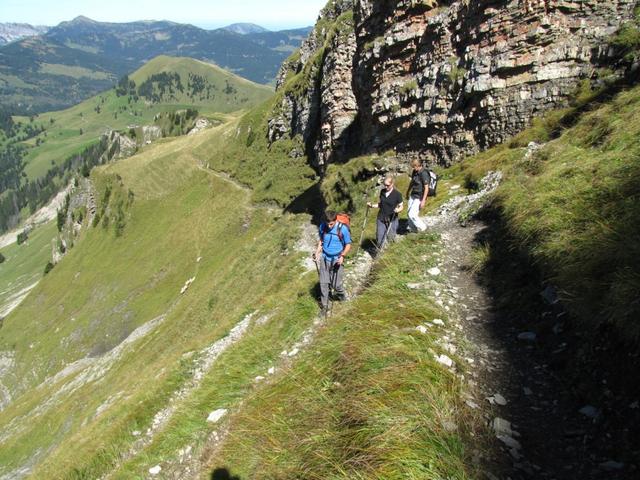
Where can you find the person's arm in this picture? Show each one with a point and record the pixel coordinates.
(346, 238)
(425, 193)
(373, 205)
(318, 252)
(400, 205)
(347, 249)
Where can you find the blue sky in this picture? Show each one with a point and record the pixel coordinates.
(272, 14)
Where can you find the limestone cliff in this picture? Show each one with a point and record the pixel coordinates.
(437, 78)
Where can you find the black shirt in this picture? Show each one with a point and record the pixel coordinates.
(388, 204)
(418, 181)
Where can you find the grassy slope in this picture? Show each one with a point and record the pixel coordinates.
(25, 263)
(63, 137)
(272, 172)
(94, 298)
(368, 400)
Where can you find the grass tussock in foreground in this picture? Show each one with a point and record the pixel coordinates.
(368, 400)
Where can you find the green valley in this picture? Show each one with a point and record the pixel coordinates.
(55, 139)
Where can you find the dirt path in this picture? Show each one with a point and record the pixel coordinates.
(541, 431)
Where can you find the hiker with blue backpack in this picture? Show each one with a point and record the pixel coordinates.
(390, 205)
(333, 246)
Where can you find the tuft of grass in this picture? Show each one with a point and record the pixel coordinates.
(408, 87)
(479, 258)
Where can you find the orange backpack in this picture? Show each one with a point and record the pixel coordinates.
(343, 219)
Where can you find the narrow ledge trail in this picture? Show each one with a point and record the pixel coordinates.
(190, 463)
(538, 429)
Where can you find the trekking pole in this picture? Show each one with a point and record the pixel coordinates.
(332, 287)
(315, 262)
(364, 224)
(386, 234)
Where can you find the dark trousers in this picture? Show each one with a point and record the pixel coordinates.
(381, 228)
(330, 273)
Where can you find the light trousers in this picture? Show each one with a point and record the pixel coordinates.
(415, 222)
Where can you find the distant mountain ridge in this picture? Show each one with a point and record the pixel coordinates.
(79, 58)
(245, 28)
(11, 32)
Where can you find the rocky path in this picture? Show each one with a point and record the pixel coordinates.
(540, 431)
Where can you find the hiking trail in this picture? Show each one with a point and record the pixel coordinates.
(540, 431)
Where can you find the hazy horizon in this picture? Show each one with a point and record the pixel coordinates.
(270, 14)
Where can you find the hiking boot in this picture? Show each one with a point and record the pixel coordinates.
(341, 297)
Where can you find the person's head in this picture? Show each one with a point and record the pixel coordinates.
(416, 164)
(388, 182)
(330, 217)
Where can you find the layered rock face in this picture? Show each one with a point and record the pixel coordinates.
(319, 101)
(438, 79)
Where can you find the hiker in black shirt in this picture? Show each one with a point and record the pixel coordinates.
(390, 204)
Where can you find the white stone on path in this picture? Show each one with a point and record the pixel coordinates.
(499, 399)
(502, 426)
(422, 329)
(271, 371)
(437, 321)
(155, 470)
(444, 360)
(527, 337)
(293, 352)
(590, 411)
(509, 441)
(216, 415)
(434, 271)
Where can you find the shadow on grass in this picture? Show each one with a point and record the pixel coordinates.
(223, 474)
(311, 201)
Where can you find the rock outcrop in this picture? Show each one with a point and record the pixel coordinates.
(117, 146)
(439, 79)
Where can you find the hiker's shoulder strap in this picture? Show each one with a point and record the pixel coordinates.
(339, 226)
